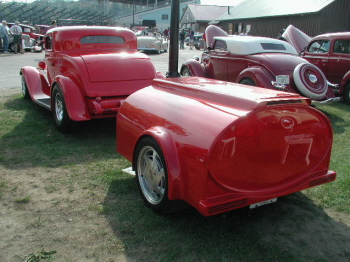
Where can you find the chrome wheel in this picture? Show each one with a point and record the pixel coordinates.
(186, 72)
(60, 114)
(59, 108)
(151, 175)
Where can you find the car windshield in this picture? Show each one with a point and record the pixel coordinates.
(319, 46)
(102, 39)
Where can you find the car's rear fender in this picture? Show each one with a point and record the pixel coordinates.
(344, 82)
(74, 99)
(168, 147)
(36, 82)
(261, 77)
(196, 68)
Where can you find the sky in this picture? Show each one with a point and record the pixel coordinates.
(221, 2)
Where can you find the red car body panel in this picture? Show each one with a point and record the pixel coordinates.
(94, 76)
(226, 145)
(243, 58)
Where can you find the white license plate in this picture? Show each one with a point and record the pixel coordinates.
(142, 46)
(273, 200)
(282, 79)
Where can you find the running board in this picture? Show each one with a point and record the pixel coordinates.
(44, 102)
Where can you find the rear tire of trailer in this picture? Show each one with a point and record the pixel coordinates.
(152, 177)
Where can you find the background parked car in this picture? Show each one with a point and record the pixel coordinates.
(199, 42)
(329, 52)
(258, 61)
(37, 38)
(154, 42)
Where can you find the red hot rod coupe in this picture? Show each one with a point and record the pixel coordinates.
(220, 146)
(258, 61)
(86, 74)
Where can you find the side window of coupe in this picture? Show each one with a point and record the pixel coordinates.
(319, 46)
(220, 45)
(342, 46)
(48, 42)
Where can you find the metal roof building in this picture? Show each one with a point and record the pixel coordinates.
(197, 17)
(269, 17)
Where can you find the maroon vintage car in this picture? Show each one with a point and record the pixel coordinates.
(258, 61)
(87, 72)
(329, 52)
(220, 146)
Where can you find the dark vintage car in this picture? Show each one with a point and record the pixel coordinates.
(329, 52)
(220, 146)
(258, 61)
(87, 73)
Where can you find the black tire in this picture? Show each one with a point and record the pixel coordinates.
(346, 94)
(152, 176)
(185, 71)
(60, 114)
(25, 91)
(247, 81)
(12, 47)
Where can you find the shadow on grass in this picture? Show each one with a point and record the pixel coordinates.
(31, 138)
(293, 229)
(338, 113)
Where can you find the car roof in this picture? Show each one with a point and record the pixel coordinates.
(21, 25)
(247, 45)
(333, 35)
(69, 36)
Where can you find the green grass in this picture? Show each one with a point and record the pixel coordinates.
(88, 162)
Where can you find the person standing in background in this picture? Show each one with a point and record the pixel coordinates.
(182, 39)
(16, 31)
(4, 36)
(53, 24)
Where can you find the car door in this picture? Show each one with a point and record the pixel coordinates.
(339, 62)
(217, 61)
(318, 53)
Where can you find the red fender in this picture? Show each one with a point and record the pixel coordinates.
(75, 101)
(36, 82)
(196, 69)
(344, 82)
(258, 75)
(167, 144)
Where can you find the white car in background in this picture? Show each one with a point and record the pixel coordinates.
(152, 43)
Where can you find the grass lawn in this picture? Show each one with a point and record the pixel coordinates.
(67, 193)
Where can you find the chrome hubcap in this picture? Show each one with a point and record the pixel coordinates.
(151, 175)
(59, 107)
(313, 78)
